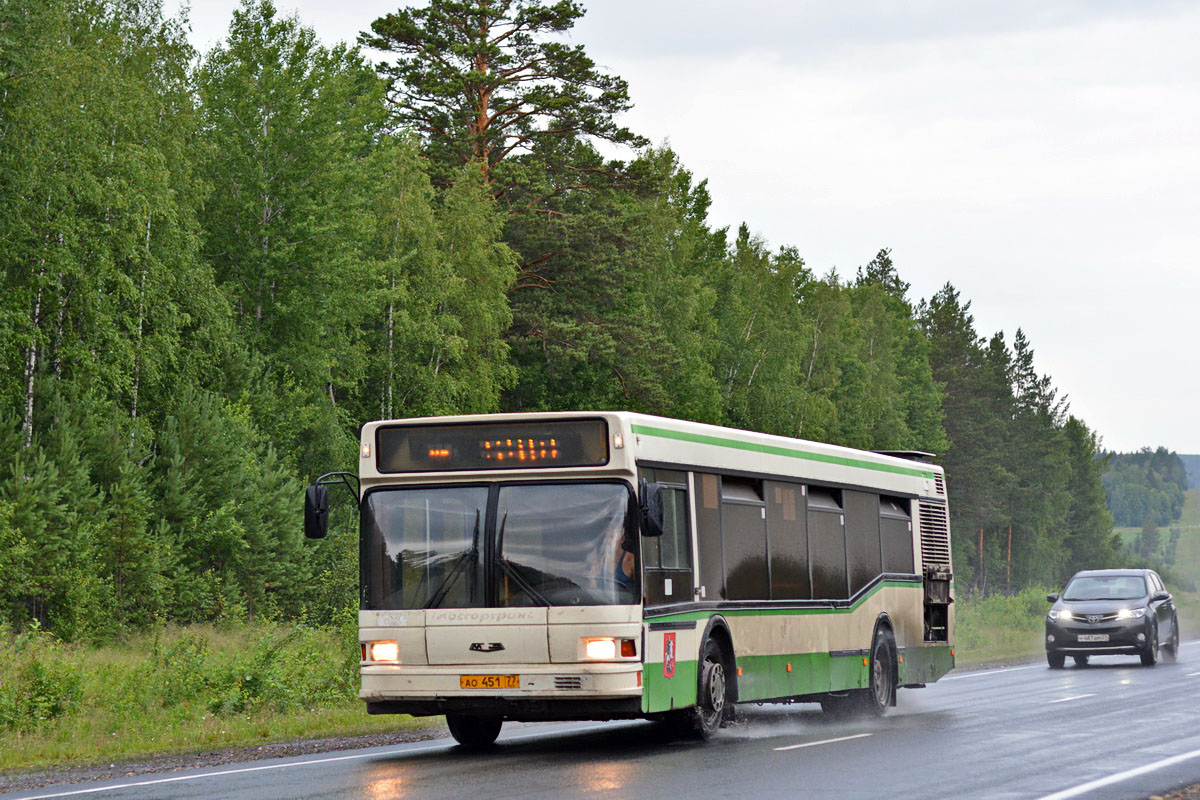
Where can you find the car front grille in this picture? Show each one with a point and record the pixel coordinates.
(1092, 619)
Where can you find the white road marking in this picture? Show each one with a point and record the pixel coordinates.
(991, 672)
(1075, 697)
(1191, 674)
(1100, 783)
(240, 770)
(1031, 666)
(824, 741)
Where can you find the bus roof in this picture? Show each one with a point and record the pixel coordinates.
(665, 441)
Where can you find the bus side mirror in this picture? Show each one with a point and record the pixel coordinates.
(651, 505)
(316, 512)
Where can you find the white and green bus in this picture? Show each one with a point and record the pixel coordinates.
(611, 565)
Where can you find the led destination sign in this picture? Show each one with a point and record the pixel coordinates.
(512, 445)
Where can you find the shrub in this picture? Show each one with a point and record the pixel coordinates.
(39, 680)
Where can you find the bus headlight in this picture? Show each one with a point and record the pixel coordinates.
(606, 648)
(600, 649)
(383, 651)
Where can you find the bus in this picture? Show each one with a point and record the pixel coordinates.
(614, 565)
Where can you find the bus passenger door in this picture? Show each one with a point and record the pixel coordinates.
(667, 559)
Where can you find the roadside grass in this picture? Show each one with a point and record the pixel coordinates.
(177, 691)
(998, 629)
(1191, 509)
(1187, 552)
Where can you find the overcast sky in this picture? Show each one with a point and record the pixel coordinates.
(1041, 155)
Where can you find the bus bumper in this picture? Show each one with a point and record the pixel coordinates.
(547, 691)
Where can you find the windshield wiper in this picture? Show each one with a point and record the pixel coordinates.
(448, 582)
(511, 571)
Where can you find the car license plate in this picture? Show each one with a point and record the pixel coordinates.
(489, 681)
(1093, 637)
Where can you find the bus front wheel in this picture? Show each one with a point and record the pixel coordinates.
(474, 731)
(703, 720)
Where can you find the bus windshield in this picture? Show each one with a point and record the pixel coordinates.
(550, 544)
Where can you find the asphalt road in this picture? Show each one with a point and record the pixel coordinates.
(1113, 729)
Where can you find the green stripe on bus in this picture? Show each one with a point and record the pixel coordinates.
(776, 450)
(767, 677)
(767, 611)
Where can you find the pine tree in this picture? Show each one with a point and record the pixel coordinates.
(1090, 541)
(485, 80)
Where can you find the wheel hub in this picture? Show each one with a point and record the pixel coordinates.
(716, 688)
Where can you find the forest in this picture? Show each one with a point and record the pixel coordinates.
(1147, 486)
(216, 266)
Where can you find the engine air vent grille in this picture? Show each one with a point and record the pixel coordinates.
(568, 682)
(939, 483)
(935, 535)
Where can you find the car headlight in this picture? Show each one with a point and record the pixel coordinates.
(1062, 615)
(1131, 613)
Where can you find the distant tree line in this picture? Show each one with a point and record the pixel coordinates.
(215, 268)
(1146, 486)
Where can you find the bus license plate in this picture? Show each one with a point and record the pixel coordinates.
(489, 681)
(1093, 637)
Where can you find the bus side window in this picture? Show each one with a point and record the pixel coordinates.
(787, 534)
(744, 539)
(895, 533)
(862, 538)
(711, 579)
(667, 559)
(827, 544)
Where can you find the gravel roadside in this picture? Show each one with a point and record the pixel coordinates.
(13, 781)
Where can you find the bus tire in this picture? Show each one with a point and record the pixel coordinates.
(880, 693)
(474, 731)
(836, 706)
(703, 720)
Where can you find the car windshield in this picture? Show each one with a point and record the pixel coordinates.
(1106, 587)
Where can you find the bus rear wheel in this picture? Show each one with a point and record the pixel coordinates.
(880, 693)
(474, 731)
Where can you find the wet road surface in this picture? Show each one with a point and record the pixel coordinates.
(1113, 729)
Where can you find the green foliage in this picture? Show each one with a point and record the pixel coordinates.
(997, 627)
(282, 670)
(482, 80)
(178, 689)
(214, 270)
(610, 288)
(40, 682)
(1147, 485)
(1021, 470)
(1090, 541)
